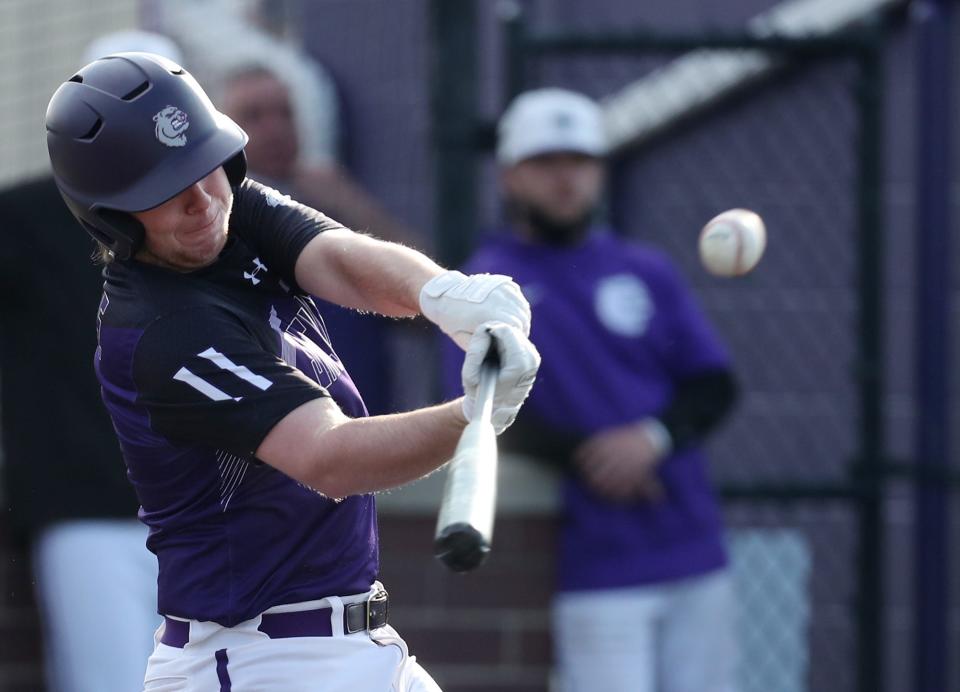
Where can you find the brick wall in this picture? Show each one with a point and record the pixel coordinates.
(485, 630)
(20, 648)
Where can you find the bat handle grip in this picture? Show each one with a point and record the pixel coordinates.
(488, 383)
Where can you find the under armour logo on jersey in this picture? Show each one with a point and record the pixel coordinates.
(257, 266)
(172, 124)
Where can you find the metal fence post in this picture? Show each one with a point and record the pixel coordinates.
(932, 354)
(453, 76)
(870, 469)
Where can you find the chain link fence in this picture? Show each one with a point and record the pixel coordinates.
(800, 462)
(41, 41)
(790, 153)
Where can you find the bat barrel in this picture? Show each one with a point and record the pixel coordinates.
(461, 547)
(465, 522)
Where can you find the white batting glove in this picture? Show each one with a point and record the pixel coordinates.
(519, 361)
(458, 303)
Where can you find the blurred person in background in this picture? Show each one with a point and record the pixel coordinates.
(217, 37)
(259, 101)
(254, 96)
(66, 491)
(288, 104)
(633, 380)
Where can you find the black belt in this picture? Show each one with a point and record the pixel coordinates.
(357, 617)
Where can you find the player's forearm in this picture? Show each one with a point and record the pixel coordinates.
(381, 452)
(361, 272)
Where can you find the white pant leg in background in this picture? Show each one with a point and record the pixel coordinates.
(96, 585)
(653, 638)
(697, 644)
(606, 640)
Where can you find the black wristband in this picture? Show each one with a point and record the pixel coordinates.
(699, 404)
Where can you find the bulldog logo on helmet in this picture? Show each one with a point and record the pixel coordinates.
(172, 124)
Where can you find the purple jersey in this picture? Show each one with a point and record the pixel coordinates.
(616, 328)
(196, 368)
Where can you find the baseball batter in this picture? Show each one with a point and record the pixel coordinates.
(244, 437)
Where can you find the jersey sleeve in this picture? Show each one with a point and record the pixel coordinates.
(695, 344)
(275, 226)
(204, 379)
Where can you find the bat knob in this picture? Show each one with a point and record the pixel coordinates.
(461, 547)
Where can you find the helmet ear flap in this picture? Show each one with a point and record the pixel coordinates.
(125, 236)
(236, 168)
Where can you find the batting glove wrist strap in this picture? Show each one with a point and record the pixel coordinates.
(458, 303)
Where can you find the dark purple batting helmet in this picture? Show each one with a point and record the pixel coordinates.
(128, 132)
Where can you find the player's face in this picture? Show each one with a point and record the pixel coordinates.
(562, 186)
(188, 231)
(260, 104)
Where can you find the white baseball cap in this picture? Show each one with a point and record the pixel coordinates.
(550, 120)
(132, 40)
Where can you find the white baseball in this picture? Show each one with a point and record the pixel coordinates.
(732, 242)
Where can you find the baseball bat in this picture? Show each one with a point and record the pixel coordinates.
(465, 522)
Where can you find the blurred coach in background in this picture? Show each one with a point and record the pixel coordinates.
(255, 97)
(633, 379)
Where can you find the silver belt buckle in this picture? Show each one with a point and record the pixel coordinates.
(375, 597)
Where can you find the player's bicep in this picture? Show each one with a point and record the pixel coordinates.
(319, 267)
(204, 380)
(292, 445)
(695, 344)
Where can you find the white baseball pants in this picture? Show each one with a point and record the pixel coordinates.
(244, 659)
(671, 637)
(96, 585)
